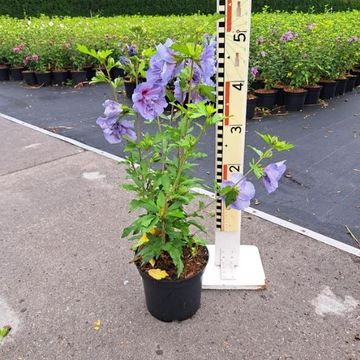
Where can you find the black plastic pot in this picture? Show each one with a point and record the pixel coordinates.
(78, 77)
(90, 72)
(250, 107)
(294, 100)
(169, 300)
(340, 86)
(266, 98)
(280, 95)
(258, 84)
(351, 83)
(16, 73)
(313, 94)
(43, 78)
(129, 88)
(29, 77)
(116, 72)
(328, 90)
(357, 73)
(4, 73)
(59, 77)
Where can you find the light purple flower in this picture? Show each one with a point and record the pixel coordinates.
(162, 64)
(273, 173)
(289, 35)
(254, 71)
(260, 40)
(207, 60)
(112, 109)
(16, 50)
(132, 51)
(149, 100)
(124, 61)
(246, 191)
(311, 26)
(35, 57)
(352, 39)
(262, 54)
(124, 128)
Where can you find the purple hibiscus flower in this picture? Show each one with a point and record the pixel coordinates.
(149, 100)
(112, 109)
(260, 40)
(254, 71)
(124, 61)
(289, 35)
(352, 39)
(273, 173)
(162, 64)
(207, 60)
(132, 51)
(311, 26)
(246, 191)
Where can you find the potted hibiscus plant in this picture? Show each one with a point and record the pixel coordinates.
(169, 253)
(16, 58)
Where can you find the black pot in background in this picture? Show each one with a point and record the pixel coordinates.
(258, 84)
(250, 107)
(43, 78)
(357, 73)
(29, 77)
(340, 86)
(4, 73)
(266, 98)
(129, 88)
(175, 300)
(328, 90)
(59, 77)
(280, 96)
(78, 77)
(294, 100)
(16, 73)
(90, 72)
(313, 94)
(116, 72)
(351, 83)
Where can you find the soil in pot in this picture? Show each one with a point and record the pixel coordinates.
(16, 73)
(295, 99)
(250, 107)
(280, 96)
(328, 90)
(4, 73)
(78, 77)
(340, 86)
(175, 299)
(29, 77)
(43, 78)
(60, 77)
(351, 83)
(313, 94)
(266, 98)
(129, 88)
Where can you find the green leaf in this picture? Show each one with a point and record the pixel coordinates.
(175, 252)
(257, 169)
(230, 194)
(257, 151)
(4, 331)
(177, 213)
(160, 202)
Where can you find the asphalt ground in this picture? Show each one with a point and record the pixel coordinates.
(321, 190)
(68, 292)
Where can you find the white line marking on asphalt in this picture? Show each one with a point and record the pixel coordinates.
(273, 219)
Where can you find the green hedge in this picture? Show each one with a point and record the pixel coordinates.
(21, 8)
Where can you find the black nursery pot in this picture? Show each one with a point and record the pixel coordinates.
(280, 95)
(29, 77)
(266, 98)
(357, 73)
(78, 77)
(90, 72)
(176, 300)
(43, 78)
(258, 84)
(295, 100)
(340, 86)
(16, 73)
(328, 90)
(4, 73)
(313, 94)
(129, 88)
(250, 107)
(351, 83)
(60, 77)
(116, 72)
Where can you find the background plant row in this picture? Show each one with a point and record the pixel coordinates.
(320, 44)
(21, 8)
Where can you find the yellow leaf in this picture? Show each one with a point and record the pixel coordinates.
(158, 274)
(152, 262)
(97, 324)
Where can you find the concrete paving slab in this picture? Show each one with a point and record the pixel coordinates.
(63, 267)
(23, 149)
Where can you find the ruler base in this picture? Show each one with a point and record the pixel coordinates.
(249, 275)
